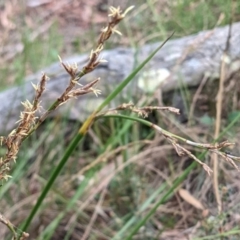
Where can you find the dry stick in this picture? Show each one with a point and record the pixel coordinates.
(216, 134)
(102, 159)
(219, 99)
(94, 216)
(105, 156)
(9, 225)
(175, 138)
(108, 178)
(11, 228)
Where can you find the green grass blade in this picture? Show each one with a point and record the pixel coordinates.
(168, 194)
(48, 232)
(51, 180)
(124, 83)
(220, 235)
(135, 218)
(81, 134)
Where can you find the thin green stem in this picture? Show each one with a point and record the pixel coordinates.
(124, 83)
(82, 131)
(52, 178)
(176, 183)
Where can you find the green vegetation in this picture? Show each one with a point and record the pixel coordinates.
(121, 180)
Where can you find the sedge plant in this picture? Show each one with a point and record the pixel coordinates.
(30, 122)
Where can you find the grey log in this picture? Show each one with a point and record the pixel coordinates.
(181, 61)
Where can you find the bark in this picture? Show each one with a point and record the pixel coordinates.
(181, 61)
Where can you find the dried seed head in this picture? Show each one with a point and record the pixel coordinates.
(207, 169)
(96, 91)
(27, 122)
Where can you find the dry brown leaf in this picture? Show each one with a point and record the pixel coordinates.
(185, 195)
